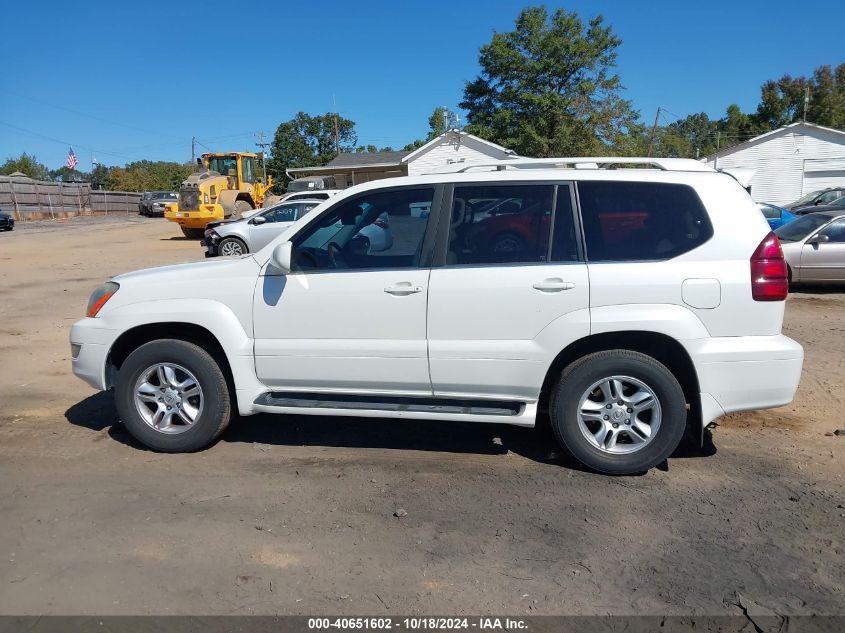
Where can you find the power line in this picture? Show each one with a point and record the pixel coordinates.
(62, 142)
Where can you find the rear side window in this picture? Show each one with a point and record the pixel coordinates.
(631, 221)
(500, 224)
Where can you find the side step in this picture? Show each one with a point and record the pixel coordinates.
(288, 399)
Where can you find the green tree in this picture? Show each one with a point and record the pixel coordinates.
(27, 165)
(439, 121)
(548, 88)
(307, 141)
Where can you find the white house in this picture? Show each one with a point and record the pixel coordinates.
(449, 148)
(789, 161)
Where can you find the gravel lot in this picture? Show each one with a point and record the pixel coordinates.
(296, 515)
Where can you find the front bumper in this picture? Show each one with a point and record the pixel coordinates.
(197, 219)
(95, 342)
(210, 243)
(742, 373)
(7, 223)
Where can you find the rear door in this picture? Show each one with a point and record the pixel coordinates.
(510, 291)
(825, 261)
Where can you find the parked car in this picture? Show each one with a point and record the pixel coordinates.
(625, 341)
(814, 247)
(152, 203)
(246, 235)
(810, 201)
(776, 216)
(291, 196)
(7, 222)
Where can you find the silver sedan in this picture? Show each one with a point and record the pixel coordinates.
(814, 247)
(251, 234)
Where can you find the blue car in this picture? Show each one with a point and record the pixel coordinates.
(776, 216)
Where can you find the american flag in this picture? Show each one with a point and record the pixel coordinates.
(71, 159)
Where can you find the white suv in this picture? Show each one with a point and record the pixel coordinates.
(633, 299)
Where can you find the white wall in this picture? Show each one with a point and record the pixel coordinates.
(447, 151)
(787, 163)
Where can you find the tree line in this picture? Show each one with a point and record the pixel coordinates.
(546, 88)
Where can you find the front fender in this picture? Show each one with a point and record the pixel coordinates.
(213, 316)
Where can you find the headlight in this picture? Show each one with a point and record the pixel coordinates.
(205, 198)
(100, 296)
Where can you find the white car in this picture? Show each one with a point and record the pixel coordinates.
(632, 302)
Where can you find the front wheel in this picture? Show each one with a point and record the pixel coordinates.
(618, 411)
(232, 246)
(241, 207)
(172, 396)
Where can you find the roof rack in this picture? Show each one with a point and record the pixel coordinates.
(582, 162)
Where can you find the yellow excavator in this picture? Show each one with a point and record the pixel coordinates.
(228, 186)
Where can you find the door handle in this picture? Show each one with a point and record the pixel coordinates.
(402, 288)
(553, 285)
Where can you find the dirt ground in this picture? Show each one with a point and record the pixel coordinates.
(296, 515)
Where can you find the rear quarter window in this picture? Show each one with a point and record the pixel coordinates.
(636, 221)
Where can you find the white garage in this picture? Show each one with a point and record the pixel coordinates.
(789, 162)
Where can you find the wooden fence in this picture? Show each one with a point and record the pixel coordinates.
(28, 199)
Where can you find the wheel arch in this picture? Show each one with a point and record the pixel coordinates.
(135, 337)
(661, 347)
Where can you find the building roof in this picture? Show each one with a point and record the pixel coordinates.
(362, 159)
(423, 149)
(798, 124)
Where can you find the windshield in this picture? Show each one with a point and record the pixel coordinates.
(164, 195)
(807, 198)
(222, 164)
(802, 227)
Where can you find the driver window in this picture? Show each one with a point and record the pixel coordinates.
(380, 229)
(835, 231)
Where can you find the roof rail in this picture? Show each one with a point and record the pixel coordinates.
(582, 162)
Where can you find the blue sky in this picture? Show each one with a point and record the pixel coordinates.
(131, 80)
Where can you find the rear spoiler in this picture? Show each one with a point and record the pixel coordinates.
(742, 175)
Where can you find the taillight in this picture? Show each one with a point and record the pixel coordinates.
(382, 224)
(769, 278)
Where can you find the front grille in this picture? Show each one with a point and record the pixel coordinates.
(189, 199)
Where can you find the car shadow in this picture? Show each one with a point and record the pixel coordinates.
(816, 289)
(97, 412)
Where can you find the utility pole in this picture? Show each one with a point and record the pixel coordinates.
(336, 128)
(193, 153)
(262, 145)
(653, 131)
(716, 157)
(806, 101)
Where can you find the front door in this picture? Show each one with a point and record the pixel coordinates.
(512, 290)
(825, 261)
(350, 317)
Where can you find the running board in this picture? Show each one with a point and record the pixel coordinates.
(443, 406)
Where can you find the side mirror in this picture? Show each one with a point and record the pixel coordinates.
(258, 219)
(818, 239)
(281, 256)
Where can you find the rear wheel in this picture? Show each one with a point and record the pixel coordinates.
(269, 201)
(172, 396)
(241, 207)
(232, 246)
(193, 234)
(618, 411)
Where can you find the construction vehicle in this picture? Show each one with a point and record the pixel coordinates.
(227, 187)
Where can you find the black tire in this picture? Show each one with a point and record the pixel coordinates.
(193, 234)
(270, 201)
(241, 207)
(232, 242)
(578, 377)
(216, 409)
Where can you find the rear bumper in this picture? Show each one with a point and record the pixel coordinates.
(742, 373)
